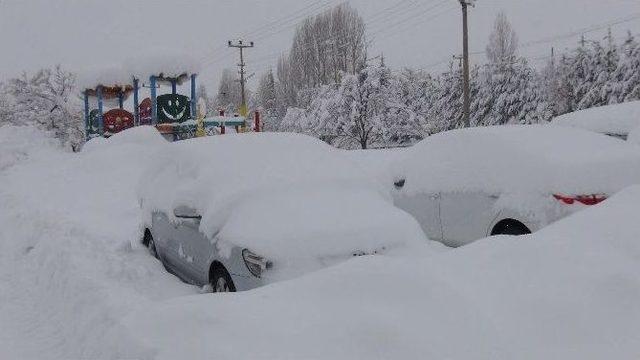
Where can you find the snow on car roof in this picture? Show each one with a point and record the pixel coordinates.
(281, 195)
(618, 119)
(519, 158)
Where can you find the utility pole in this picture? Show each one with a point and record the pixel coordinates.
(465, 54)
(239, 45)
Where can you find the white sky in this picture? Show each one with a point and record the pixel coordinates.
(416, 33)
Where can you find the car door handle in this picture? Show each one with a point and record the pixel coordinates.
(435, 196)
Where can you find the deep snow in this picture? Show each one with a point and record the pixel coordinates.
(288, 197)
(76, 283)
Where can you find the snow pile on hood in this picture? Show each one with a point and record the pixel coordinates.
(618, 119)
(284, 196)
(567, 292)
(519, 159)
(18, 143)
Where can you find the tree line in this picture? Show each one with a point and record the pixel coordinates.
(373, 105)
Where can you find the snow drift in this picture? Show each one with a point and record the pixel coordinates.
(567, 292)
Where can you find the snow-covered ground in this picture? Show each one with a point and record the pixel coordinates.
(76, 283)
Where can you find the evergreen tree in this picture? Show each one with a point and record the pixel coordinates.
(626, 76)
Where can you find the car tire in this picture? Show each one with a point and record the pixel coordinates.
(511, 228)
(221, 281)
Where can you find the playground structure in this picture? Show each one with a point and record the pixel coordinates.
(173, 114)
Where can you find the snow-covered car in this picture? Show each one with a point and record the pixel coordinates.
(463, 185)
(239, 211)
(616, 120)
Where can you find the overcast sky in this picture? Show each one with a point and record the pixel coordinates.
(416, 33)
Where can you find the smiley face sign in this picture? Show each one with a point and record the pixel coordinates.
(173, 108)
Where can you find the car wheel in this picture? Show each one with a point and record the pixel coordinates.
(221, 281)
(511, 228)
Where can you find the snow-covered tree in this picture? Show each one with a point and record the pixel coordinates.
(503, 42)
(47, 100)
(267, 100)
(324, 47)
(201, 93)
(626, 76)
(228, 97)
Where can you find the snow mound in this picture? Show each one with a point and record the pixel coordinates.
(618, 119)
(567, 292)
(284, 196)
(524, 158)
(71, 263)
(18, 143)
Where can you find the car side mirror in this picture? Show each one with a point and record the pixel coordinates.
(399, 184)
(185, 212)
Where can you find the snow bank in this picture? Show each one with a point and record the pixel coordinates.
(519, 159)
(70, 260)
(284, 196)
(18, 143)
(567, 292)
(618, 119)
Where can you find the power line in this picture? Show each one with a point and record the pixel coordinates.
(401, 29)
(279, 25)
(404, 20)
(585, 30)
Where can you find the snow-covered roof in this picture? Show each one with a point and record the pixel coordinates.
(535, 158)
(110, 76)
(284, 196)
(167, 64)
(618, 119)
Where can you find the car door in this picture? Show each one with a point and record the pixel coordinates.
(194, 251)
(165, 239)
(425, 208)
(465, 216)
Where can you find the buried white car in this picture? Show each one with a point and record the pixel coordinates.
(616, 120)
(463, 185)
(238, 211)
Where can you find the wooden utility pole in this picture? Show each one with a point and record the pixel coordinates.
(239, 45)
(465, 68)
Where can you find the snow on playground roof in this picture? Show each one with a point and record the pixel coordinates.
(109, 76)
(618, 119)
(164, 64)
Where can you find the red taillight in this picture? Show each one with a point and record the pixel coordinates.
(583, 199)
